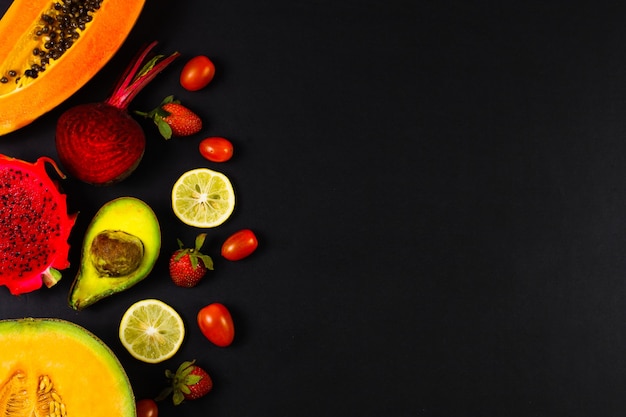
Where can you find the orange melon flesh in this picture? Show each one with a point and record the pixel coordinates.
(84, 373)
(96, 45)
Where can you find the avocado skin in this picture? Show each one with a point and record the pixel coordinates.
(127, 214)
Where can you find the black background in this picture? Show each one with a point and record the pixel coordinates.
(439, 193)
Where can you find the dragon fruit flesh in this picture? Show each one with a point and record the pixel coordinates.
(34, 225)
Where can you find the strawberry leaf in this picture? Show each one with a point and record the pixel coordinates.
(180, 254)
(164, 129)
(185, 369)
(200, 241)
(165, 392)
(206, 260)
(192, 380)
(194, 260)
(169, 99)
(178, 397)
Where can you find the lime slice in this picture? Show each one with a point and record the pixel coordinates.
(151, 331)
(203, 198)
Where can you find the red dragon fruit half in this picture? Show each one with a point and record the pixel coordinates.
(34, 225)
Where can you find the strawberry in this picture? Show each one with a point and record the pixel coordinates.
(174, 119)
(188, 265)
(181, 120)
(189, 382)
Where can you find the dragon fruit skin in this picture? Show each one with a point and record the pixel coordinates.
(34, 225)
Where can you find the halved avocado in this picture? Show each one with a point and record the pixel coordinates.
(120, 248)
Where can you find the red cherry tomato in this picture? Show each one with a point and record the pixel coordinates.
(147, 408)
(216, 324)
(197, 73)
(240, 245)
(216, 149)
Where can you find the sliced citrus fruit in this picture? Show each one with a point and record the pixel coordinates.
(151, 331)
(202, 197)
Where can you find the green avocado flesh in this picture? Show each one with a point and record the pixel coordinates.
(120, 248)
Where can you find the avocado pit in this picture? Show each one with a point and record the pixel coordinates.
(115, 253)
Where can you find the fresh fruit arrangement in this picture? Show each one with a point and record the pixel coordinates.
(101, 144)
(42, 43)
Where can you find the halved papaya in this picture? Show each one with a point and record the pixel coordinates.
(50, 49)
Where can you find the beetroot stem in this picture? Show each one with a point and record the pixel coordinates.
(131, 70)
(135, 79)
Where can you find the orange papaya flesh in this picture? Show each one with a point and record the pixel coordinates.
(49, 51)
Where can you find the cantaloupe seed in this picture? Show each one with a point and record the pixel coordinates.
(18, 392)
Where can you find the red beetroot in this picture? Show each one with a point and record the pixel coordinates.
(100, 143)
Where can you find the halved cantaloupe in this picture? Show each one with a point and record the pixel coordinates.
(58, 368)
(90, 37)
